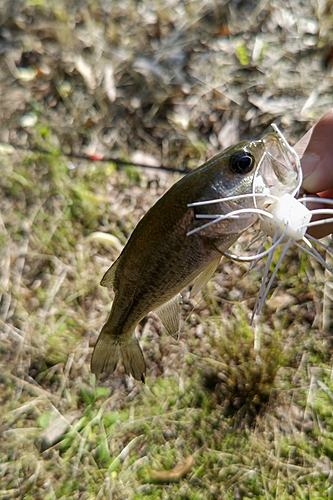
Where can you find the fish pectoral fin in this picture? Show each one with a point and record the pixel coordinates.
(169, 315)
(204, 276)
(108, 278)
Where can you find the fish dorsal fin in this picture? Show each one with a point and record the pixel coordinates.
(108, 278)
(204, 276)
(169, 315)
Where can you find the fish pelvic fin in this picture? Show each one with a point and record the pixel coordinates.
(204, 276)
(110, 348)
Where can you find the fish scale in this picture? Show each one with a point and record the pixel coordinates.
(160, 259)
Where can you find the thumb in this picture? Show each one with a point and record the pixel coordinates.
(316, 152)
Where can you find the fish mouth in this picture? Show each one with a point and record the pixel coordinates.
(278, 171)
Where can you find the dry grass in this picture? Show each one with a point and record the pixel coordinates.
(165, 84)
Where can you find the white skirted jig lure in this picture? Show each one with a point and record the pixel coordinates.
(282, 216)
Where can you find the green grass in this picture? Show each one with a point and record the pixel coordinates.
(258, 424)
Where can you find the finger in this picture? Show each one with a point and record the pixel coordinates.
(316, 151)
(322, 230)
(325, 228)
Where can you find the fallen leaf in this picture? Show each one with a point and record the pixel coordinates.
(106, 238)
(86, 72)
(281, 301)
(143, 158)
(56, 429)
(109, 83)
(173, 475)
(26, 74)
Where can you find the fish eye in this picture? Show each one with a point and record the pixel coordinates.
(241, 163)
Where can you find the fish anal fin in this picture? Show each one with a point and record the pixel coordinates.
(204, 276)
(169, 315)
(108, 278)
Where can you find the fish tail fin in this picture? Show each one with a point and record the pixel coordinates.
(110, 348)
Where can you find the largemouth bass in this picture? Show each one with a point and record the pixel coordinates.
(161, 258)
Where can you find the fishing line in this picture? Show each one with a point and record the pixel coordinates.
(98, 158)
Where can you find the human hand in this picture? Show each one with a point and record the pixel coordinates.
(316, 152)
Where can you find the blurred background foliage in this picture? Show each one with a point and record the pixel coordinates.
(159, 83)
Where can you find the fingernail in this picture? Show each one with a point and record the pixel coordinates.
(309, 163)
